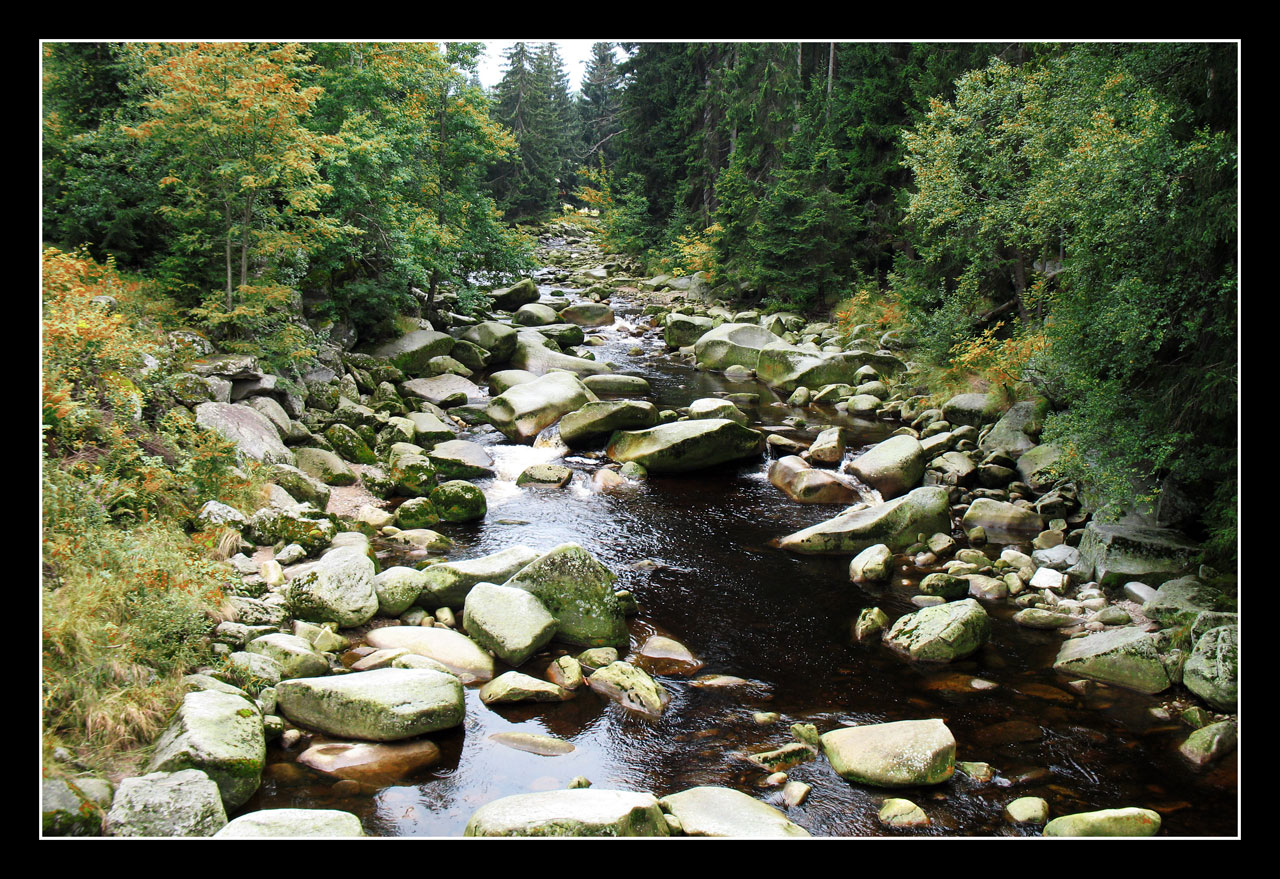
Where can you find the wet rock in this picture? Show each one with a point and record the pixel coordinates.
(1038, 618)
(379, 764)
(578, 812)
(293, 824)
(553, 475)
(870, 623)
(532, 743)
(662, 655)
(724, 812)
(688, 445)
(565, 672)
(382, 705)
(296, 656)
(896, 523)
(338, 589)
(897, 812)
(522, 411)
(461, 655)
(459, 501)
(448, 583)
(872, 565)
(730, 344)
(1212, 671)
(1210, 742)
(578, 591)
(1106, 822)
(941, 634)
(809, 485)
(512, 623)
(892, 467)
(1027, 810)
(630, 687)
(460, 459)
(598, 419)
(512, 686)
(905, 753)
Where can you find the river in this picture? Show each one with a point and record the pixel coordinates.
(696, 552)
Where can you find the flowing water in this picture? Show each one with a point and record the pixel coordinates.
(696, 552)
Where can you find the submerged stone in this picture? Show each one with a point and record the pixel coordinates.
(577, 812)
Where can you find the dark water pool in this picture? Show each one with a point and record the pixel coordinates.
(696, 552)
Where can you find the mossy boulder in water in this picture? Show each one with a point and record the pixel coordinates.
(447, 584)
(572, 813)
(522, 411)
(1106, 822)
(596, 421)
(941, 633)
(682, 446)
(459, 501)
(896, 523)
(1127, 657)
(513, 623)
(511, 298)
(892, 467)
(338, 589)
(496, 338)
(906, 753)
(710, 810)
(578, 591)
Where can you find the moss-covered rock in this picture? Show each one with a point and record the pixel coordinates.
(219, 734)
(578, 591)
(905, 753)
(458, 501)
(942, 633)
(1127, 657)
(683, 446)
(579, 812)
(380, 705)
(896, 523)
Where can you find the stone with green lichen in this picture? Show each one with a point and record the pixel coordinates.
(350, 445)
(1213, 669)
(414, 474)
(871, 622)
(807, 734)
(941, 633)
(894, 523)
(578, 591)
(898, 812)
(311, 531)
(65, 810)
(1027, 810)
(510, 622)
(900, 754)
(1210, 742)
(1181, 601)
(944, 585)
(512, 686)
(460, 459)
(682, 446)
(577, 812)
(338, 589)
(723, 812)
(976, 770)
(297, 656)
(448, 583)
(597, 420)
(872, 565)
(397, 589)
(381, 705)
(631, 687)
(1106, 822)
(556, 475)
(459, 501)
(293, 824)
(1127, 657)
(417, 512)
(182, 803)
(784, 758)
(219, 734)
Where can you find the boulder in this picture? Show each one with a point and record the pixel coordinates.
(534, 314)
(588, 314)
(184, 803)
(873, 565)
(533, 354)
(338, 589)
(1014, 433)
(512, 686)
(1127, 657)
(896, 523)
(1002, 522)
(941, 633)
(461, 459)
(455, 651)
(382, 705)
(397, 589)
(577, 812)
(522, 411)
(828, 448)
(973, 409)
(219, 734)
(892, 467)
(511, 298)
(682, 446)
(1106, 822)
(712, 407)
(578, 592)
(412, 352)
(730, 344)
(787, 367)
(1117, 552)
(808, 485)
(292, 824)
(447, 584)
(379, 763)
(429, 429)
(459, 501)
(683, 330)
(906, 753)
(723, 812)
(296, 656)
(1212, 672)
(631, 687)
(496, 338)
(617, 385)
(251, 432)
(599, 419)
(510, 622)
(442, 390)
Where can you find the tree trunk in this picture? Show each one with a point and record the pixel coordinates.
(230, 227)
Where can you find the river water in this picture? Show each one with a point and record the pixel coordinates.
(696, 552)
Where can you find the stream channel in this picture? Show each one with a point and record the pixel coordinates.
(696, 552)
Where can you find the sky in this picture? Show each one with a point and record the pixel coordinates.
(575, 54)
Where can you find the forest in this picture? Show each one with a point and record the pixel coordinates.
(1035, 220)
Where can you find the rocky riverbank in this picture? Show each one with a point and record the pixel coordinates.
(355, 665)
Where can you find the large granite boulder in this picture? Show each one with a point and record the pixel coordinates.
(496, 338)
(1003, 522)
(1212, 672)
(296, 656)
(682, 446)
(383, 705)
(578, 591)
(892, 467)
(292, 824)
(1106, 822)
(972, 409)
(683, 330)
(221, 735)
(184, 803)
(906, 753)
(588, 314)
(522, 411)
(598, 420)
(447, 584)
(338, 589)
(896, 523)
(724, 812)
(252, 433)
(533, 354)
(324, 467)
(577, 812)
(511, 298)
(1017, 429)
(412, 352)
(461, 459)
(1117, 552)
(941, 633)
(808, 485)
(511, 622)
(787, 367)
(732, 344)
(1127, 657)
(455, 651)
(440, 390)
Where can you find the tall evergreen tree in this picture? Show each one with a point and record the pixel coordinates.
(600, 107)
(525, 184)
